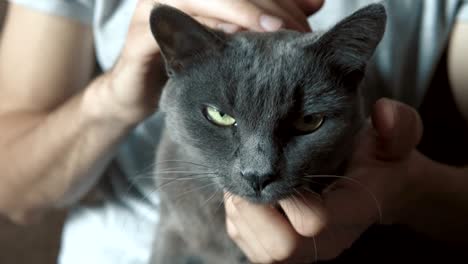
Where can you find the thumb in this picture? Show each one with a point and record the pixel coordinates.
(399, 129)
(352, 207)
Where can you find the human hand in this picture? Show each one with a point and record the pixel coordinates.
(130, 91)
(382, 176)
(257, 15)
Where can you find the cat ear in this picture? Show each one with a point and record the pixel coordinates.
(350, 44)
(180, 37)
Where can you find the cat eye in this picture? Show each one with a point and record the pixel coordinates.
(219, 118)
(309, 123)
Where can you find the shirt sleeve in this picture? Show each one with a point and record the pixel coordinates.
(463, 12)
(81, 10)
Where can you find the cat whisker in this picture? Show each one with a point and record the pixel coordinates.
(189, 178)
(304, 199)
(182, 172)
(315, 249)
(221, 202)
(173, 168)
(174, 180)
(135, 180)
(302, 219)
(314, 182)
(315, 194)
(171, 180)
(206, 175)
(295, 201)
(194, 190)
(182, 162)
(228, 196)
(178, 168)
(374, 198)
(146, 174)
(209, 199)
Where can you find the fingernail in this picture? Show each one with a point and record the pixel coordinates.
(270, 23)
(228, 28)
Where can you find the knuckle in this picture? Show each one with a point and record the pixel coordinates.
(285, 250)
(231, 210)
(233, 233)
(250, 11)
(236, 202)
(310, 228)
(264, 260)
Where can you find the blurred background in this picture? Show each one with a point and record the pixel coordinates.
(32, 244)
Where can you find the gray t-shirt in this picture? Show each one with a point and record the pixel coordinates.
(402, 68)
(416, 35)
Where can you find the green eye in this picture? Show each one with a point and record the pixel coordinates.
(309, 123)
(219, 118)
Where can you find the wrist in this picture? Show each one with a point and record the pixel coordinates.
(432, 187)
(135, 86)
(411, 191)
(105, 103)
(97, 105)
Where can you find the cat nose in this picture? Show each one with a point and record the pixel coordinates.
(258, 180)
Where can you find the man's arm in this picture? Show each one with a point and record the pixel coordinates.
(442, 208)
(57, 131)
(458, 66)
(51, 147)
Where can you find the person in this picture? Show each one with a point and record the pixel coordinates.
(62, 122)
(61, 127)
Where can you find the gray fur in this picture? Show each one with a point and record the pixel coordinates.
(266, 81)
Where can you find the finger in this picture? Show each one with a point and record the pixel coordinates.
(332, 242)
(399, 128)
(261, 223)
(239, 12)
(306, 213)
(140, 43)
(352, 207)
(246, 237)
(309, 6)
(218, 24)
(353, 202)
(234, 234)
(293, 17)
(143, 10)
(295, 13)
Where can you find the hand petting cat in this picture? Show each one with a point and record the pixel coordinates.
(128, 93)
(382, 177)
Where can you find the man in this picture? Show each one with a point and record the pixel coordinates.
(60, 128)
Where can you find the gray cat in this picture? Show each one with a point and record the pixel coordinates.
(251, 113)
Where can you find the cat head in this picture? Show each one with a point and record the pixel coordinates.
(265, 110)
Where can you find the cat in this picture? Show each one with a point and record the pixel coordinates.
(251, 113)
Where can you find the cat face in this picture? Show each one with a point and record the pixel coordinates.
(265, 110)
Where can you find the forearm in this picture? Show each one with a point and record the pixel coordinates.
(50, 159)
(440, 209)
